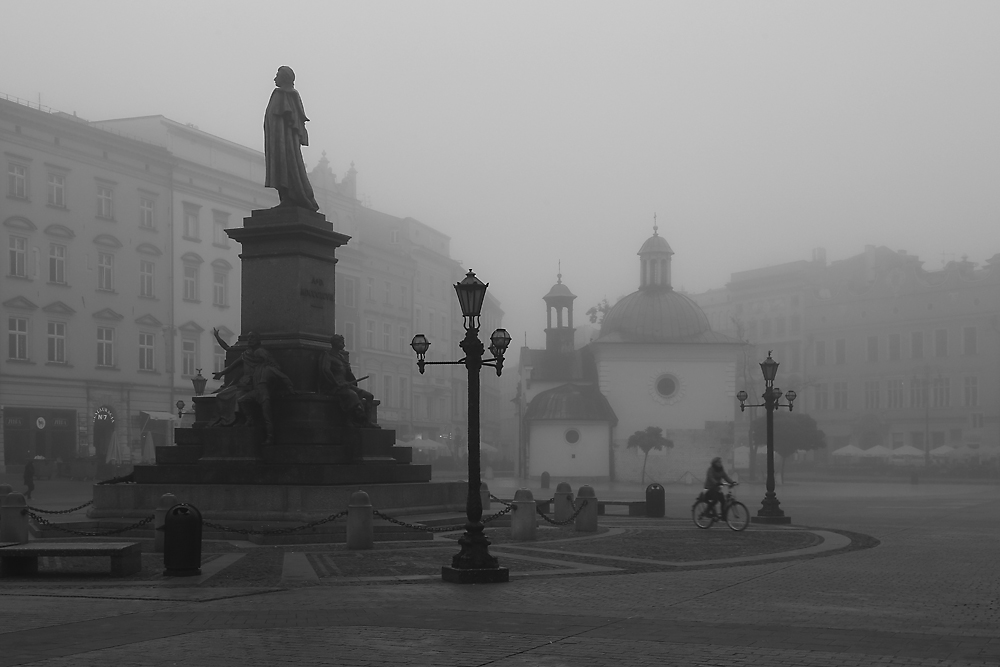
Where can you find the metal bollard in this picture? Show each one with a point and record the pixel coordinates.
(656, 502)
(586, 520)
(563, 501)
(545, 480)
(360, 529)
(484, 495)
(182, 541)
(14, 519)
(523, 519)
(167, 500)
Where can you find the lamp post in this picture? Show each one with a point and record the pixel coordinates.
(180, 409)
(474, 563)
(770, 510)
(199, 381)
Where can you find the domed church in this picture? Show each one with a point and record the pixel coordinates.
(656, 362)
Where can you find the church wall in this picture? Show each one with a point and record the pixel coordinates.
(551, 452)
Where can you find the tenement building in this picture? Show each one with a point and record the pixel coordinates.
(880, 349)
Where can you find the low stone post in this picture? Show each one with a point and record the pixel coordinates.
(523, 519)
(586, 520)
(484, 495)
(5, 489)
(360, 528)
(167, 500)
(14, 519)
(563, 501)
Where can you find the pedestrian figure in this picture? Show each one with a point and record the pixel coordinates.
(29, 478)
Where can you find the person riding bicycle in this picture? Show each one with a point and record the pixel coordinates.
(714, 479)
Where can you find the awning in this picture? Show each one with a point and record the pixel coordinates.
(163, 416)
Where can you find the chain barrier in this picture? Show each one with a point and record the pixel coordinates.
(275, 531)
(89, 533)
(124, 479)
(501, 501)
(415, 526)
(562, 523)
(69, 511)
(506, 510)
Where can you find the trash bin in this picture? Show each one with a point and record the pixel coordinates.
(656, 504)
(182, 541)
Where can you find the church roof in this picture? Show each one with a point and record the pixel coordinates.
(578, 402)
(656, 316)
(655, 243)
(559, 290)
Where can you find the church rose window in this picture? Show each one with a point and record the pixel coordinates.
(666, 386)
(572, 436)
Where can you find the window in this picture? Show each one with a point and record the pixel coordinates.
(387, 390)
(894, 394)
(105, 346)
(370, 334)
(146, 219)
(894, 346)
(105, 203)
(57, 263)
(839, 395)
(57, 190)
(976, 419)
(371, 289)
(969, 340)
(56, 343)
(17, 181)
(404, 392)
(106, 272)
(955, 435)
(220, 292)
(18, 257)
(822, 397)
(218, 358)
(840, 351)
(189, 356)
(220, 221)
(402, 295)
(350, 292)
(17, 338)
(918, 393)
(146, 348)
(192, 224)
(190, 283)
(404, 341)
(349, 333)
(872, 349)
(795, 324)
(941, 343)
(388, 292)
(780, 325)
(572, 436)
(386, 337)
(146, 269)
(871, 394)
(821, 353)
(917, 345)
(971, 398)
(666, 386)
(942, 392)
(898, 440)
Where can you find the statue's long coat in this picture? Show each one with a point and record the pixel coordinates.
(284, 133)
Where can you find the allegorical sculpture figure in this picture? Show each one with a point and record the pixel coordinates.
(284, 135)
(337, 379)
(252, 390)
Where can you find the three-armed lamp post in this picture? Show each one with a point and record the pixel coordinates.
(474, 563)
(770, 510)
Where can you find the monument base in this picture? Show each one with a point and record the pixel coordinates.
(771, 519)
(492, 575)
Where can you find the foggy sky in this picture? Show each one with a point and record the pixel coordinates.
(533, 132)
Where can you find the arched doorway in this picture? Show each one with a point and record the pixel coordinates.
(104, 432)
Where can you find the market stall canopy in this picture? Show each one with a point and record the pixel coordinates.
(877, 452)
(942, 452)
(849, 450)
(908, 451)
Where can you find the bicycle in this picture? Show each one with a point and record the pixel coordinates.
(734, 513)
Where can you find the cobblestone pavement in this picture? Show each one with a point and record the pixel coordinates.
(929, 594)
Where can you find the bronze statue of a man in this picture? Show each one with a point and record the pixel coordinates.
(284, 134)
(337, 379)
(252, 390)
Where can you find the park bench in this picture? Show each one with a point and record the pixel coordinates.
(126, 557)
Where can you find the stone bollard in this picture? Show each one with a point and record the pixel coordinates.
(484, 495)
(523, 519)
(545, 480)
(360, 529)
(586, 520)
(563, 501)
(14, 519)
(167, 500)
(5, 489)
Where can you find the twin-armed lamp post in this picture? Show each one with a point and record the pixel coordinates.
(770, 510)
(474, 563)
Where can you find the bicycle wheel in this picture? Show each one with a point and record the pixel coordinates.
(698, 514)
(737, 516)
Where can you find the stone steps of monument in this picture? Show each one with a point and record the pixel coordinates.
(254, 473)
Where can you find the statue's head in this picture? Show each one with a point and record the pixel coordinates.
(337, 342)
(253, 339)
(285, 77)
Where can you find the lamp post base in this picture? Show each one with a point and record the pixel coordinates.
(771, 519)
(489, 575)
(770, 511)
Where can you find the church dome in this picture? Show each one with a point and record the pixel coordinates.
(655, 316)
(559, 289)
(655, 243)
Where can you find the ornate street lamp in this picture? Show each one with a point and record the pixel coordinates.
(180, 409)
(770, 510)
(199, 382)
(474, 563)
